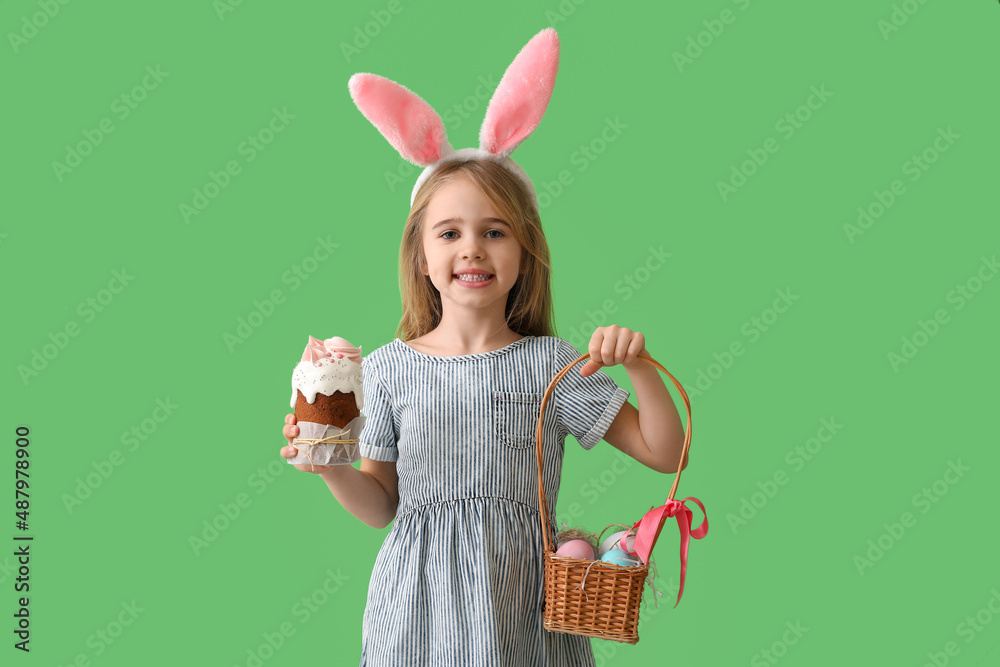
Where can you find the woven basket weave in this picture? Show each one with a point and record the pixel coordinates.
(589, 597)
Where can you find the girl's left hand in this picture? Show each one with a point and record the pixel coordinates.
(613, 345)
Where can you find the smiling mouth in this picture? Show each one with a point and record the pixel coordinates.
(473, 277)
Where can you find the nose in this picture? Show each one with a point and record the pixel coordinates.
(473, 248)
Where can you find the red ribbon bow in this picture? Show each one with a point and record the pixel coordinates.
(647, 530)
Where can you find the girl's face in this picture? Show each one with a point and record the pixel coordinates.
(473, 258)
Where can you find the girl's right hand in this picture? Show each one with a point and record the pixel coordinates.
(291, 431)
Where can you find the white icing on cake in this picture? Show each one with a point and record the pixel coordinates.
(325, 377)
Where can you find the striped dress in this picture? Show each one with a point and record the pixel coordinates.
(458, 580)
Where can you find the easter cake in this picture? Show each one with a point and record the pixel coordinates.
(327, 398)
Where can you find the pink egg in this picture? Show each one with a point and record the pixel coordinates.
(576, 549)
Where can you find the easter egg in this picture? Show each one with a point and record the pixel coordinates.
(619, 557)
(576, 549)
(612, 542)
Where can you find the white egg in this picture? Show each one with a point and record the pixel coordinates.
(612, 542)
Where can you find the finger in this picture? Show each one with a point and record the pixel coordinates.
(637, 345)
(621, 345)
(608, 349)
(589, 368)
(595, 351)
(628, 354)
(594, 346)
(290, 419)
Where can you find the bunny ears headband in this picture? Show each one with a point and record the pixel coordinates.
(514, 111)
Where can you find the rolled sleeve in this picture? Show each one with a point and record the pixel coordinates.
(586, 406)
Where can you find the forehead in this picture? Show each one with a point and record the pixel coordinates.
(460, 197)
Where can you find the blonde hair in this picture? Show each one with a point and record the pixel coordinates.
(529, 302)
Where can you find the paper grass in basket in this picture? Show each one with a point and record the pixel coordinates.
(597, 598)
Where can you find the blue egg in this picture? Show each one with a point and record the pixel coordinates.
(619, 557)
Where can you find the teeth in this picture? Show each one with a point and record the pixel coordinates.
(473, 277)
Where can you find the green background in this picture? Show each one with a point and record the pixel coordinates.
(790, 560)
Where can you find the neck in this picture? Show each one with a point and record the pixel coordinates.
(470, 334)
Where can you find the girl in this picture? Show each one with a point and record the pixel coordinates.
(451, 407)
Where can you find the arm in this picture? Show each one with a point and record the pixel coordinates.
(653, 435)
(662, 451)
(370, 494)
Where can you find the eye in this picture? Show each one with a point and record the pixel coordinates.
(501, 234)
(450, 231)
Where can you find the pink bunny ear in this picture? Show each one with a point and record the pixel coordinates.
(405, 120)
(519, 103)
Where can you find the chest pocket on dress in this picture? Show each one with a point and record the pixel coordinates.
(516, 417)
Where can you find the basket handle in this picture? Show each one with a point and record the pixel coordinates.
(543, 508)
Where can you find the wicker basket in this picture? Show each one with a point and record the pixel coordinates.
(590, 597)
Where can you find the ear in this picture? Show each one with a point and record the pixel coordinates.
(519, 102)
(406, 121)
